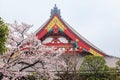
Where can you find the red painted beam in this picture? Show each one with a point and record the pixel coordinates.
(73, 37)
(41, 34)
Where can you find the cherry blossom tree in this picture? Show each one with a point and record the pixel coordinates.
(26, 55)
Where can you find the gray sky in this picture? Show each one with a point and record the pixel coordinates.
(96, 20)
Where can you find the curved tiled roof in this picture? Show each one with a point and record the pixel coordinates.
(57, 13)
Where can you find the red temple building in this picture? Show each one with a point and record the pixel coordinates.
(58, 33)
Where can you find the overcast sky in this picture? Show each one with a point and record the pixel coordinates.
(96, 20)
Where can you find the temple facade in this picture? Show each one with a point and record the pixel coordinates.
(58, 33)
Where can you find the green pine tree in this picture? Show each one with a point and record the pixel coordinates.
(3, 35)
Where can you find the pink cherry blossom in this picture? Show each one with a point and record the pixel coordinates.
(26, 55)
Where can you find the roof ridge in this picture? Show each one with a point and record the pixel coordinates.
(83, 38)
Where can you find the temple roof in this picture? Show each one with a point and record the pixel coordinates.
(54, 19)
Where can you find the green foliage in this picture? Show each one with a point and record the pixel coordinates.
(118, 63)
(93, 64)
(94, 67)
(118, 69)
(31, 77)
(118, 77)
(3, 35)
(34, 77)
(112, 74)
